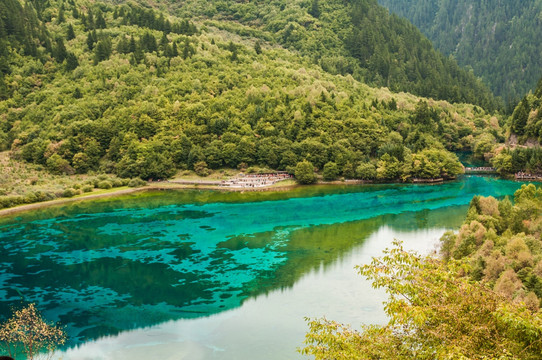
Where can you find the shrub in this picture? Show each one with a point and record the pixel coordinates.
(87, 188)
(201, 168)
(304, 172)
(69, 192)
(105, 184)
(331, 171)
(136, 182)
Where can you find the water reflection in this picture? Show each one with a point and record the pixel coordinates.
(105, 267)
(268, 326)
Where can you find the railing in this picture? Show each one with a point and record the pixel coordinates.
(480, 169)
(528, 176)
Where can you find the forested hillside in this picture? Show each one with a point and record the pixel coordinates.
(356, 37)
(135, 92)
(499, 39)
(19, 29)
(524, 136)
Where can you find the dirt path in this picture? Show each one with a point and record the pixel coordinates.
(152, 186)
(21, 208)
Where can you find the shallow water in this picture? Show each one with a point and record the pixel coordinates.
(207, 274)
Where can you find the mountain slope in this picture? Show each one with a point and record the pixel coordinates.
(145, 100)
(356, 37)
(499, 39)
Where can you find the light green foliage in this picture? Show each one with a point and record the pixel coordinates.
(366, 171)
(435, 312)
(331, 171)
(434, 163)
(506, 239)
(304, 173)
(140, 111)
(387, 168)
(358, 37)
(484, 145)
(502, 162)
(201, 168)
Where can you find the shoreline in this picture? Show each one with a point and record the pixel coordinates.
(165, 185)
(158, 186)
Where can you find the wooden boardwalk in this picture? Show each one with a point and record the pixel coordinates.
(480, 170)
(523, 176)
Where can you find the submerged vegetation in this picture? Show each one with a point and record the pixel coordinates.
(103, 94)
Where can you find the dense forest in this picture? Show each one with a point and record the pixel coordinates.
(347, 37)
(522, 151)
(498, 39)
(132, 91)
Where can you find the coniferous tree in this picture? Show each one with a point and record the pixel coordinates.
(77, 93)
(103, 50)
(4, 93)
(90, 20)
(92, 37)
(163, 42)
(520, 117)
(233, 49)
(71, 61)
(100, 21)
(60, 52)
(70, 34)
(315, 9)
(258, 47)
(123, 46)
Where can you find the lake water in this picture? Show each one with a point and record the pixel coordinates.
(212, 275)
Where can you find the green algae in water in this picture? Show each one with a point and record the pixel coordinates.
(106, 266)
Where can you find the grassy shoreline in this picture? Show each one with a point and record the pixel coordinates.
(110, 193)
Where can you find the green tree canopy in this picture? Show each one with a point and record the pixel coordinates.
(435, 313)
(304, 173)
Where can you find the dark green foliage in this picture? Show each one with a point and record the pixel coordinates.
(103, 50)
(258, 47)
(77, 93)
(148, 18)
(100, 21)
(315, 9)
(60, 52)
(526, 120)
(70, 34)
(71, 62)
(148, 43)
(91, 40)
(499, 39)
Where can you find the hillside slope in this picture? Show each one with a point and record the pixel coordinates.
(499, 39)
(135, 92)
(356, 37)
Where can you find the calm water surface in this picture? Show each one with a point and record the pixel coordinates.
(211, 275)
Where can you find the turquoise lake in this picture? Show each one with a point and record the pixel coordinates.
(214, 275)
